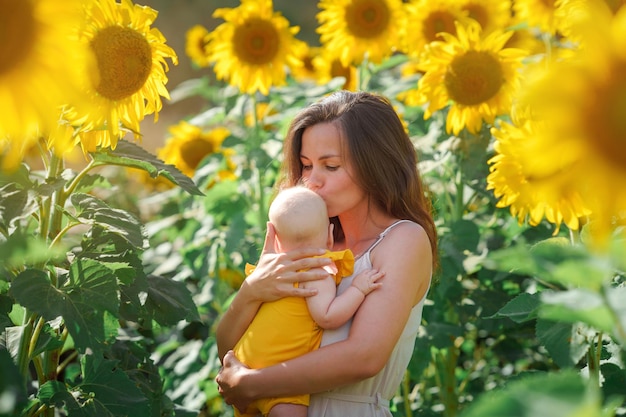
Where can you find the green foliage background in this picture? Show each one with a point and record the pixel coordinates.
(117, 316)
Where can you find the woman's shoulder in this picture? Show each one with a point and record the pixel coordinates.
(404, 229)
(403, 238)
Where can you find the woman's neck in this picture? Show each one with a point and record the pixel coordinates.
(361, 231)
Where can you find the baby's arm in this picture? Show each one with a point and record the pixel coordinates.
(330, 310)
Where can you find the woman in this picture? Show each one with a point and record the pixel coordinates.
(352, 150)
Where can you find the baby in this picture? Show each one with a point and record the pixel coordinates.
(292, 326)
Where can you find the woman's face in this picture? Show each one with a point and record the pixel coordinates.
(327, 171)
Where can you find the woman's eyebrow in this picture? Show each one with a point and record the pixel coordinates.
(327, 156)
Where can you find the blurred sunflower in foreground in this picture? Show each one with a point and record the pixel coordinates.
(41, 69)
(190, 144)
(582, 102)
(130, 80)
(476, 76)
(354, 30)
(253, 48)
(514, 180)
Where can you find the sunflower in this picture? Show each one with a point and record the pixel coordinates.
(41, 63)
(583, 101)
(476, 75)
(327, 68)
(253, 47)
(426, 20)
(515, 182)
(570, 11)
(261, 113)
(305, 71)
(195, 45)
(354, 30)
(525, 38)
(189, 145)
(233, 277)
(130, 81)
(490, 14)
(537, 14)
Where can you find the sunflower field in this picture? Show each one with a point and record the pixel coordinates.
(116, 262)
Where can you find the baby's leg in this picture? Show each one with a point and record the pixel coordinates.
(288, 410)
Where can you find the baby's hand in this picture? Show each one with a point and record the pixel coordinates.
(367, 281)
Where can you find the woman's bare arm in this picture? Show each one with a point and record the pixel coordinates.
(405, 259)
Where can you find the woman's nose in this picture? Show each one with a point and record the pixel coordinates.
(313, 181)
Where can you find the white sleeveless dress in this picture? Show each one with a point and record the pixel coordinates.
(370, 397)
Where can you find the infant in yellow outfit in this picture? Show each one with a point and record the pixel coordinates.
(292, 326)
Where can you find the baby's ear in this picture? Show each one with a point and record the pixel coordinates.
(276, 241)
(331, 241)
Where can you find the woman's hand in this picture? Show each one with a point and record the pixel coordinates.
(273, 278)
(275, 273)
(228, 379)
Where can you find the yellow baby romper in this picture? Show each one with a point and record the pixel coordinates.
(281, 330)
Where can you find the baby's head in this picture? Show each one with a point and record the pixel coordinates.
(300, 219)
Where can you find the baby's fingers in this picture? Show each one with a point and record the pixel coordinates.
(376, 275)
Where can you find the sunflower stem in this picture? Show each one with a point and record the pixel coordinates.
(69, 189)
(23, 357)
(260, 192)
(55, 215)
(362, 76)
(574, 236)
(459, 206)
(406, 391)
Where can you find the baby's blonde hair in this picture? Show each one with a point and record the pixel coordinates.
(300, 218)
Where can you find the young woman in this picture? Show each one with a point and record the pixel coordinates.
(352, 150)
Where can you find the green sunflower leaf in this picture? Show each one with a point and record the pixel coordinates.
(563, 394)
(91, 210)
(170, 301)
(128, 154)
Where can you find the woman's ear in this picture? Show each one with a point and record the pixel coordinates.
(331, 241)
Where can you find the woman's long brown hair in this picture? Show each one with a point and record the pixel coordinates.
(383, 158)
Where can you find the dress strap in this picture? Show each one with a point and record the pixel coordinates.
(384, 233)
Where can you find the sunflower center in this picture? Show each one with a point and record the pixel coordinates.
(17, 33)
(473, 78)
(124, 60)
(338, 70)
(194, 151)
(437, 22)
(615, 4)
(256, 41)
(604, 121)
(479, 14)
(367, 18)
